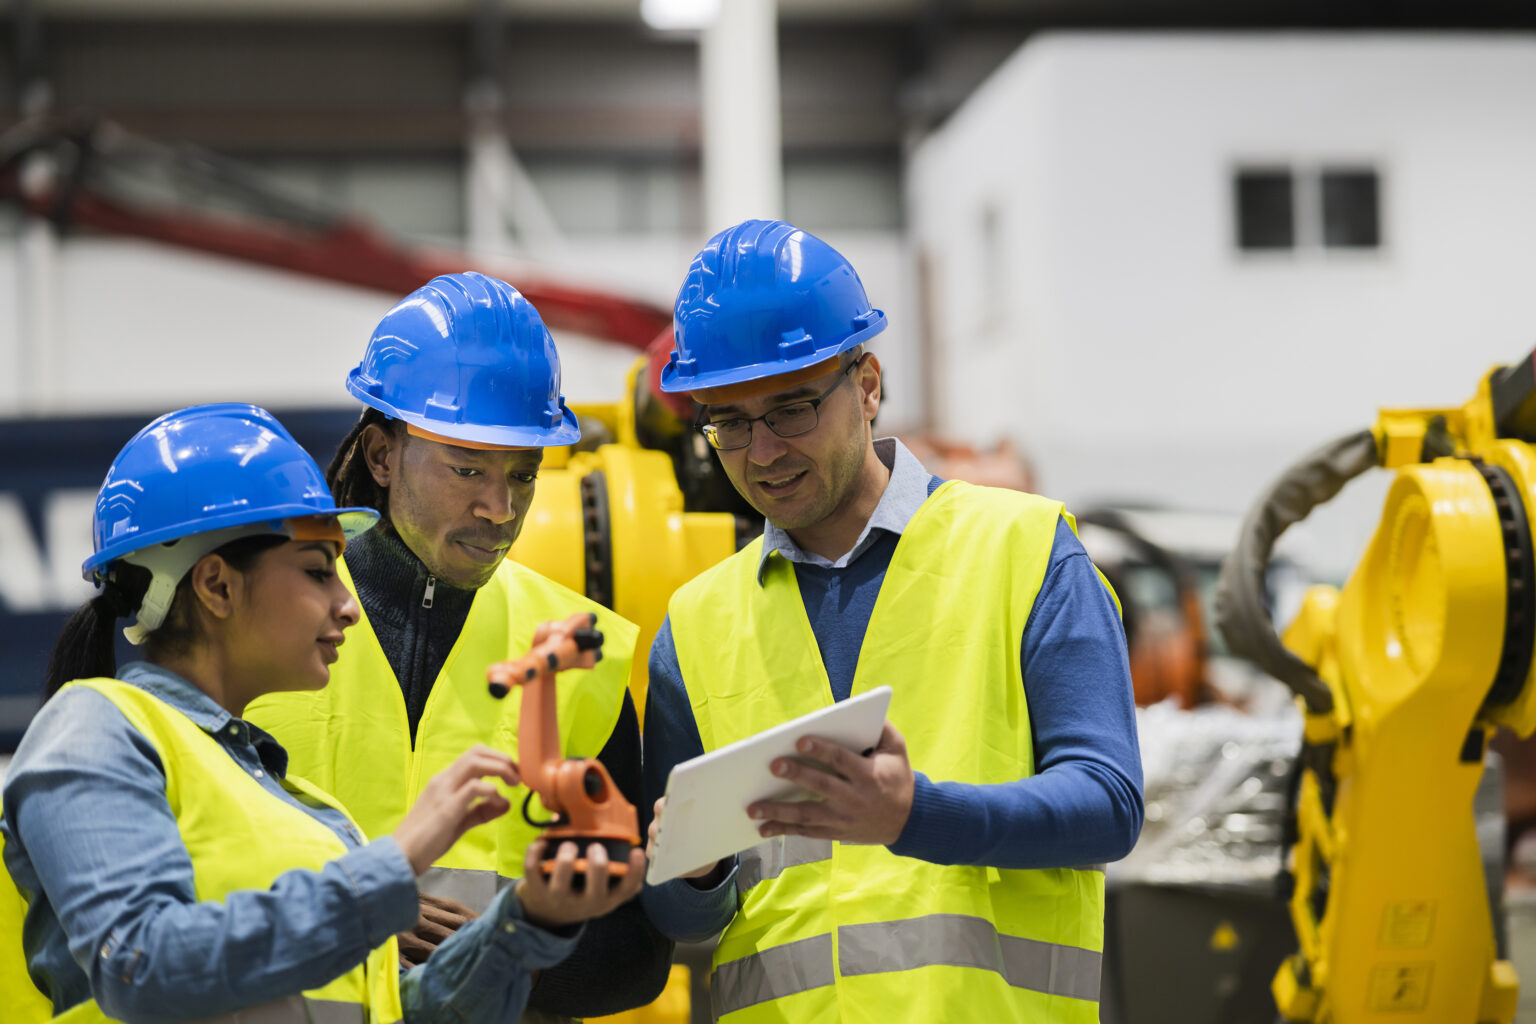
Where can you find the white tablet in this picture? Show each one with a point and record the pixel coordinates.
(705, 816)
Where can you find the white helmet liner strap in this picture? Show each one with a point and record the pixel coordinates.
(169, 562)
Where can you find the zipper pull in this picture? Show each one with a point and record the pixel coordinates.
(426, 598)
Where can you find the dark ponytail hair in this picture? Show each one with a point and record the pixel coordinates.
(348, 476)
(86, 646)
(84, 649)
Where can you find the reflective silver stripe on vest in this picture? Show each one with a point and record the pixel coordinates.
(473, 888)
(961, 941)
(769, 859)
(939, 939)
(296, 1010)
(772, 974)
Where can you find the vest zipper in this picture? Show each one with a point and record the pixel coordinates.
(426, 598)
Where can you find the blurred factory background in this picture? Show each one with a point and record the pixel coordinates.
(1139, 256)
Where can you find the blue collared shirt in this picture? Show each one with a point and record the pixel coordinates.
(113, 912)
(904, 494)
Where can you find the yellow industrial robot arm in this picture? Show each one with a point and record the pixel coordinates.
(1403, 676)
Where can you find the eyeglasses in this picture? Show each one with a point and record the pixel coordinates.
(790, 420)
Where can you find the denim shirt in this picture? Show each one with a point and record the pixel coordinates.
(113, 913)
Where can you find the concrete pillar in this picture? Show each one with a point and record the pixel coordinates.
(39, 346)
(498, 191)
(485, 174)
(739, 76)
(31, 373)
(39, 356)
(500, 196)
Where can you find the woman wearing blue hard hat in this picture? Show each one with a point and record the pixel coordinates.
(170, 866)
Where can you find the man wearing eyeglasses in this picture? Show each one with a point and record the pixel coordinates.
(956, 871)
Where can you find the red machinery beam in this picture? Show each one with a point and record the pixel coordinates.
(350, 252)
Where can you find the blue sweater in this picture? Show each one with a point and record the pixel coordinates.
(1083, 804)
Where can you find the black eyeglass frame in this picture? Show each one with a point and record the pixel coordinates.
(711, 431)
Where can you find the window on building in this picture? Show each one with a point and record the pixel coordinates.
(1281, 208)
(1265, 209)
(1350, 209)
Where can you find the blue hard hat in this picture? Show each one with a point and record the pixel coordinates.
(206, 469)
(467, 357)
(761, 299)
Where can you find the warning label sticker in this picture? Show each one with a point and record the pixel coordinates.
(1407, 924)
(1400, 987)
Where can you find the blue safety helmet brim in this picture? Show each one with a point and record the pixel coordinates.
(566, 431)
(353, 521)
(673, 382)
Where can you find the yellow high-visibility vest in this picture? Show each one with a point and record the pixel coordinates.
(828, 931)
(353, 738)
(24, 1003)
(239, 836)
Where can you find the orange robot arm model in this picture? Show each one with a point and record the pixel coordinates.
(587, 806)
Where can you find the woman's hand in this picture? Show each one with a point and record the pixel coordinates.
(457, 799)
(553, 903)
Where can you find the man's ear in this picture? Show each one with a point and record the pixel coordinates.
(867, 380)
(213, 582)
(380, 448)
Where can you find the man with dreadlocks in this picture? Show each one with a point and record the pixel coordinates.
(462, 384)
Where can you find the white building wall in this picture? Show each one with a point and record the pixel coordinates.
(1119, 334)
(142, 327)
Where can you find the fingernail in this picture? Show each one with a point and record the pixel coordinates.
(806, 745)
(780, 768)
(755, 812)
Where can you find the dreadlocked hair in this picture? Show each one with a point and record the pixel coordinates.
(350, 481)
